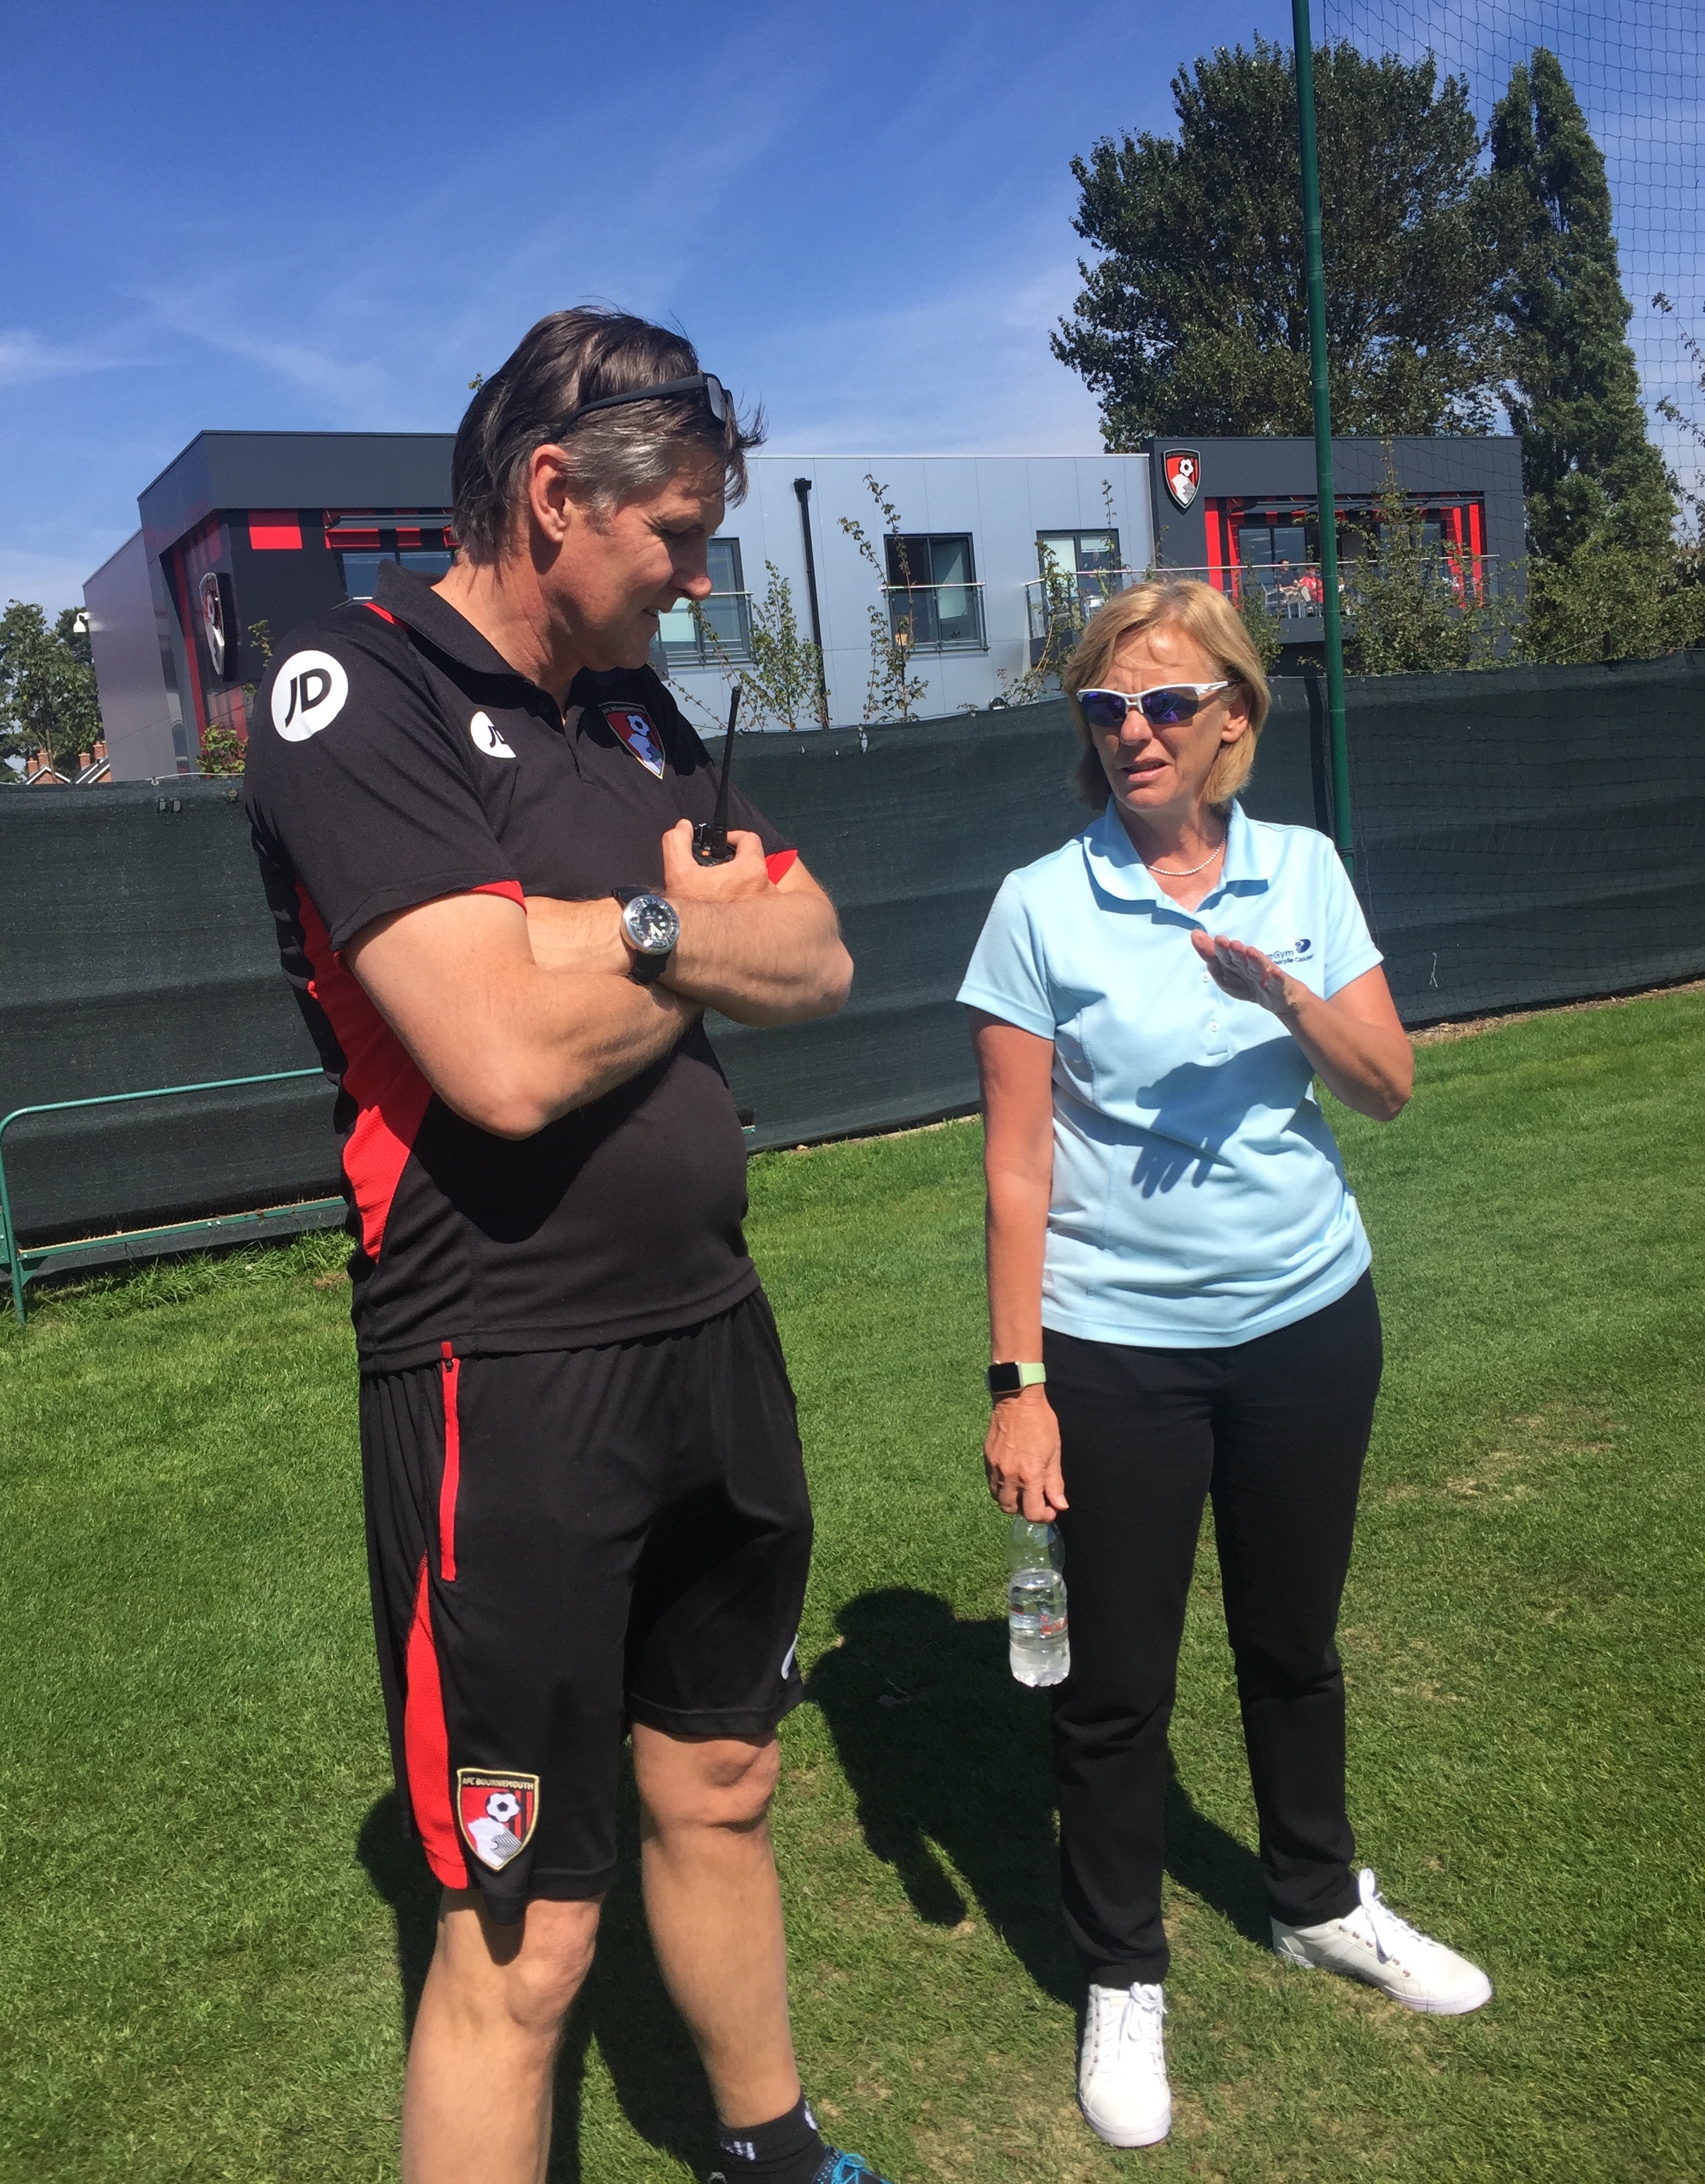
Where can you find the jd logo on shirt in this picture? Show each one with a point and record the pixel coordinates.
(483, 730)
(308, 695)
(634, 728)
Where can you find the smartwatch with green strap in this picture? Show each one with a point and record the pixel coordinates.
(1007, 1380)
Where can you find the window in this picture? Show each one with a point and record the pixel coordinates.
(934, 602)
(361, 571)
(1088, 559)
(721, 629)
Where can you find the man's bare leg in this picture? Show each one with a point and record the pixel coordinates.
(715, 1910)
(476, 2102)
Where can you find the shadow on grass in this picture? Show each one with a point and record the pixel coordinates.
(943, 1749)
(947, 1757)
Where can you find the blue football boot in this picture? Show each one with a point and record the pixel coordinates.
(837, 2168)
(846, 2169)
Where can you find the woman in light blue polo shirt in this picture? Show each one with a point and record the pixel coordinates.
(1180, 1304)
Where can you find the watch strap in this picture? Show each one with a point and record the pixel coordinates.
(644, 968)
(1007, 1379)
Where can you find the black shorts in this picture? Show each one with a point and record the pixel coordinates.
(563, 1542)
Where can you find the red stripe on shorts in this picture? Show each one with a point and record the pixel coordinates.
(426, 1747)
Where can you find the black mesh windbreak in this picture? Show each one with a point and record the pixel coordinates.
(1526, 836)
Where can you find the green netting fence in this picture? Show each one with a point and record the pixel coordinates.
(1523, 837)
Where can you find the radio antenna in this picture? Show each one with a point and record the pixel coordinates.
(711, 836)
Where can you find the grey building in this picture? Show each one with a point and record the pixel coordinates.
(246, 534)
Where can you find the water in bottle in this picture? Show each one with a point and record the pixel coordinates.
(1038, 1644)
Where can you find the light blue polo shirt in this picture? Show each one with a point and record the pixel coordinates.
(1198, 1198)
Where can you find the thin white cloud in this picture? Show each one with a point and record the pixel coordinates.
(24, 357)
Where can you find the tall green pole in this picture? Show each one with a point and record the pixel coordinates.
(1316, 272)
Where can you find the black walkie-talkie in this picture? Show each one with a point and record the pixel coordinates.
(711, 836)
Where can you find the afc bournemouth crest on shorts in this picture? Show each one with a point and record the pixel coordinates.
(496, 1814)
(632, 723)
(1182, 471)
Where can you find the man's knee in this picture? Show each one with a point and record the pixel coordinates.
(710, 1782)
(528, 1973)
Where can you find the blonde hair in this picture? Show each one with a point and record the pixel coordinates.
(1208, 616)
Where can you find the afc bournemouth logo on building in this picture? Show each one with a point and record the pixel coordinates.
(633, 725)
(216, 625)
(496, 1814)
(1183, 470)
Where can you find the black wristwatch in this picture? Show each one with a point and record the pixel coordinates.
(651, 928)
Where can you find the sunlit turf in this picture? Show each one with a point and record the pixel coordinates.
(214, 1930)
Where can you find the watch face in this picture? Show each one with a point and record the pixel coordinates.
(652, 925)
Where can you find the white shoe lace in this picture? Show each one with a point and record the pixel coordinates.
(1384, 1928)
(1141, 2020)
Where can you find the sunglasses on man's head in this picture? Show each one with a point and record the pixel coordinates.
(1163, 707)
(716, 395)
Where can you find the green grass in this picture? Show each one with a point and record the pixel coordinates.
(213, 1929)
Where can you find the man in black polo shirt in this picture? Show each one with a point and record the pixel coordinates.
(585, 1509)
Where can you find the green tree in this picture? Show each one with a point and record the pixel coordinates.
(1194, 317)
(47, 699)
(1591, 474)
(1414, 606)
(891, 691)
(1610, 602)
(784, 680)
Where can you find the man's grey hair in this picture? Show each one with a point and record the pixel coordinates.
(616, 455)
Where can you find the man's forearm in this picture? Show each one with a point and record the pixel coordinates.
(770, 959)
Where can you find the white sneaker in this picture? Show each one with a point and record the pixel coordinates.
(1375, 1945)
(1122, 2069)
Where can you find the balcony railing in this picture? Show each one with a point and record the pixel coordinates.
(936, 617)
(1058, 606)
(1063, 604)
(705, 634)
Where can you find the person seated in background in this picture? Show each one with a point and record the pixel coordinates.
(1180, 1303)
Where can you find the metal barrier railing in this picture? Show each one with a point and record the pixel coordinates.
(23, 1263)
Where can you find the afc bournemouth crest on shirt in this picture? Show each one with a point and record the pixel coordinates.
(496, 1814)
(1182, 469)
(632, 723)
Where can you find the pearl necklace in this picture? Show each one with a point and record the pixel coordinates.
(1160, 875)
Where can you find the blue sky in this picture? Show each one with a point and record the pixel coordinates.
(327, 216)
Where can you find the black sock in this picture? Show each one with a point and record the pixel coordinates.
(789, 2151)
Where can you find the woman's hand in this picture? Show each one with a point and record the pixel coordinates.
(1355, 1042)
(1022, 1456)
(1246, 974)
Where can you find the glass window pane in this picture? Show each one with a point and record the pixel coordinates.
(360, 574)
(430, 565)
(1059, 547)
(677, 627)
(723, 555)
(949, 561)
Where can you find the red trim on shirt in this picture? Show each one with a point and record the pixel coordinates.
(383, 613)
(391, 1095)
(452, 1479)
(510, 890)
(779, 862)
(426, 1747)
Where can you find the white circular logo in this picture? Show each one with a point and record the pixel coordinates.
(308, 695)
(483, 730)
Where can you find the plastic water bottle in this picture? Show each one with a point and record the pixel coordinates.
(1038, 1644)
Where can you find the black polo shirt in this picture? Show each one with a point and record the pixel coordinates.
(395, 757)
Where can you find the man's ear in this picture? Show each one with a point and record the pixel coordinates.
(550, 503)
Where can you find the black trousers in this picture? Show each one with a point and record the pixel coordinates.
(1275, 1431)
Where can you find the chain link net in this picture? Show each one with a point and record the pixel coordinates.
(1635, 66)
